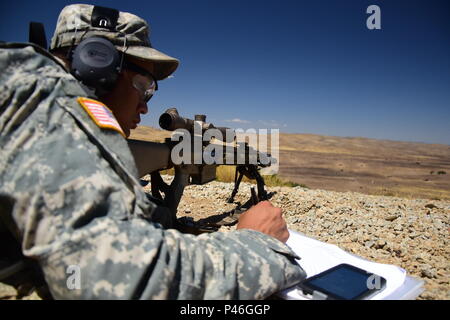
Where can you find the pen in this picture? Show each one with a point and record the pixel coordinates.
(255, 199)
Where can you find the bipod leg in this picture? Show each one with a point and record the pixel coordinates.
(237, 182)
(262, 194)
(158, 185)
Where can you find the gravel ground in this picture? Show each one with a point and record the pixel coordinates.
(412, 234)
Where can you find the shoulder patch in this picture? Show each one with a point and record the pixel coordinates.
(101, 114)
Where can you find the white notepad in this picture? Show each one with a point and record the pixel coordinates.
(317, 256)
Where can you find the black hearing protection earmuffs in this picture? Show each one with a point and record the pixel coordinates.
(95, 61)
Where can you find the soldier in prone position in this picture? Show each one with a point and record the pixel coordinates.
(69, 193)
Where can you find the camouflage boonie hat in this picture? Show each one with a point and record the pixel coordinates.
(129, 34)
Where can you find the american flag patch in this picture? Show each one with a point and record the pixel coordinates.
(101, 114)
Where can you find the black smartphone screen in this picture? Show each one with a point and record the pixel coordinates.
(344, 282)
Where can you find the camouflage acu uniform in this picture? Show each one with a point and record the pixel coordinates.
(71, 190)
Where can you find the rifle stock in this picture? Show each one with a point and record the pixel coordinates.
(150, 156)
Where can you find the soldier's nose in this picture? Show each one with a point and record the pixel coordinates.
(142, 107)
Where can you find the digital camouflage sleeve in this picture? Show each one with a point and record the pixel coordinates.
(71, 190)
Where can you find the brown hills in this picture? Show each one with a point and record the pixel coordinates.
(380, 167)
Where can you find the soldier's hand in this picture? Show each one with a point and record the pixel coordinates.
(266, 218)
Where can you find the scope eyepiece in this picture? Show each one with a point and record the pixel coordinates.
(165, 121)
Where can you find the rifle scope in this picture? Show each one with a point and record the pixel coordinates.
(171, 120)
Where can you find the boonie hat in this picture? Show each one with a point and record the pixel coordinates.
(128, 32)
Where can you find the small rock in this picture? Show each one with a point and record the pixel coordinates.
(391, 218)
(296, 220)
(380, 244)
(428, 272)
(430, 206)
(369, 244)
(399, 252)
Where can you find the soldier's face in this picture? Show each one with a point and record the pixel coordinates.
(126, 102)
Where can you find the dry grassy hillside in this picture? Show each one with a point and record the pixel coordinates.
(377, 167)
(380, 167)
(149, 134)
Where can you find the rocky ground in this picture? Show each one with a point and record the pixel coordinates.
(412, 234)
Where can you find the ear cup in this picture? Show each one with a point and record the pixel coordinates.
(96, 63)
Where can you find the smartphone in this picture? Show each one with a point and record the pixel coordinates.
(344, 282)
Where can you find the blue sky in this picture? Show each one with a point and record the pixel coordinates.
(300, 66)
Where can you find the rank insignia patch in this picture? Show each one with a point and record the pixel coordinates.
(101, 114)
